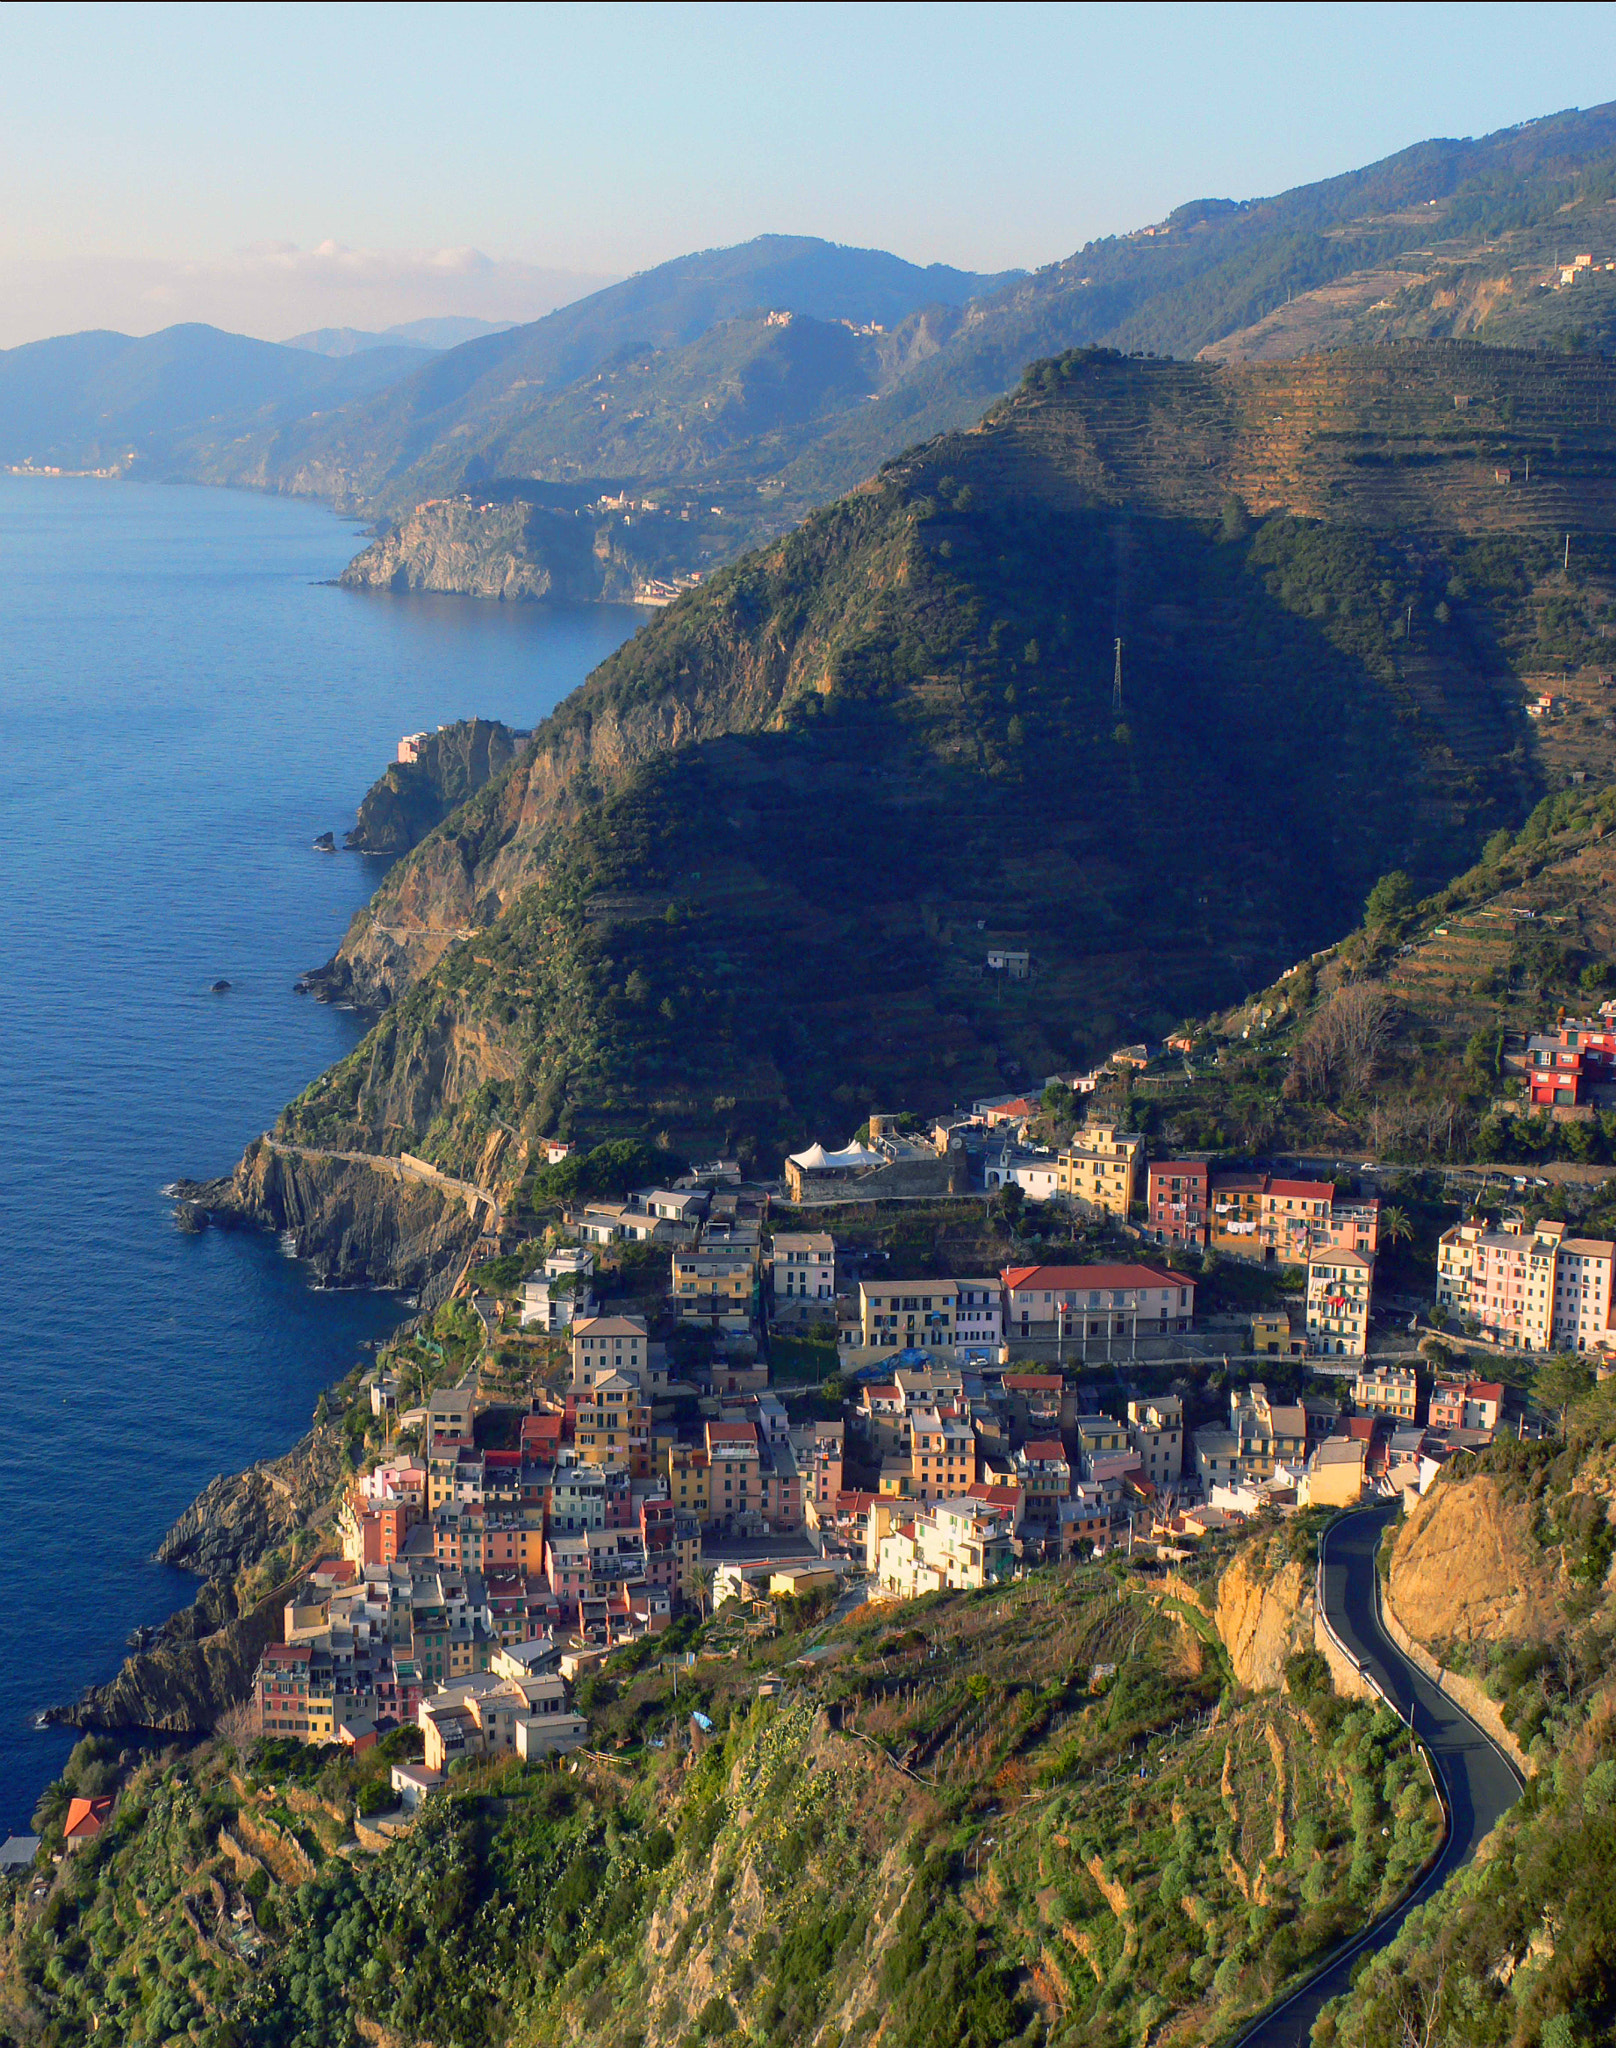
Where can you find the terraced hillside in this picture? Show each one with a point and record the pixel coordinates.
(1043, 1813)
(740, 887)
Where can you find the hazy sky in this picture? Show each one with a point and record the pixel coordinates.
(274, 168)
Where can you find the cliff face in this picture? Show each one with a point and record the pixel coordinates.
(202, 1660)
(1264, 1614)
(523, 554)
(514, 552)
(412, 798)
(240, 1517)
(358, 1223)
(1466, 1569)
(200, 1666)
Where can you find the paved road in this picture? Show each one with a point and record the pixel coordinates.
(1481, 1783)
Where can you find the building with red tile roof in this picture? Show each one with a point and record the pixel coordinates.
(1082, 1302)
(85, 1820)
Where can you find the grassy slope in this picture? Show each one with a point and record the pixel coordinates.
(1521, 1949)
(1052, 1864)
(739, 888)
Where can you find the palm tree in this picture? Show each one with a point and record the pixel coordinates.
(1395, 1226)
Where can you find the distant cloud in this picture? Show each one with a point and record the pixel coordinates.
(275, 289)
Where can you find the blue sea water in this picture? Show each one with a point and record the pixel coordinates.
(184, 705)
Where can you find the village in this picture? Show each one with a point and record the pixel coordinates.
(794, 1419)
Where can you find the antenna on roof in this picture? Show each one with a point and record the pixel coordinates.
(1116, 685)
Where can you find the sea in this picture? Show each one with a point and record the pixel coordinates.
(186, 701)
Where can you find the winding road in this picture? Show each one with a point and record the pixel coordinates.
(1479, 1780)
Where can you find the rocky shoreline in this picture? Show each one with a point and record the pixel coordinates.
(200, 1663)
(352, 1218)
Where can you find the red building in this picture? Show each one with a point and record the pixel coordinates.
(1177, 1195)
(283, 1690)
(1562, 1070)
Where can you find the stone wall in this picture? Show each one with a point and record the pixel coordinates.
(1464, 1692)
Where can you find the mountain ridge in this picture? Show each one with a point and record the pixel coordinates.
(933, 656)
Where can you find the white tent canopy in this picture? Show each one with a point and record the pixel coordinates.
(817, 1160)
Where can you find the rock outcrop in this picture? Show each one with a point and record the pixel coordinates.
(358, 1222)
(1465, 1568)
(411, 798)
(516, 552)
(1264, 1613)
(200, 1665)
(238, 1518)
(201, 1661)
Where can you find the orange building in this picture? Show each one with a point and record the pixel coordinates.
(374, 1532)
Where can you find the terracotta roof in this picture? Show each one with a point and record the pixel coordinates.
(86, 1818)
(1048, 1448)
(1055, 1277)
(1309, 1190)
(1034, 1382)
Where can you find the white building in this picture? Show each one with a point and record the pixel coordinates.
(805, 1266)
(1338, 1284)
(953, 1544)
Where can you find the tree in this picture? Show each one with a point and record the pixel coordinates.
(1395, 1226)
(1559, 1383)
(1483, 1055)
(1390, 901)
(1338, 1052)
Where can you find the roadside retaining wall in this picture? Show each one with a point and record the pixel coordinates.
(1464, 1692)
(1348, 1680)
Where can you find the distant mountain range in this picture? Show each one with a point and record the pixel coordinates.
(692, 377)
(101, 400)
(447, 331)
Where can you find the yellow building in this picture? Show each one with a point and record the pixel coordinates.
(613, 1425)
(1271, 1334)
(1388, 1390)
(1334, 1476)
(794, 1580)
(1101, 1167)
(689, 1473)
(942, 1455)
(715, 1286)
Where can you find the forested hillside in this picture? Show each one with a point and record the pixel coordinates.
(740, 887)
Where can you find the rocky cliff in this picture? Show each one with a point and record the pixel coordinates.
(240, 1517)
(411, 798)
(513, 551)
(1465, 1568)
(1264, 1612)
(358, 1222)
(520, 553)
(201, 1662)
(200, 1665)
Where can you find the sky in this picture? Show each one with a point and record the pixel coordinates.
(279, 168)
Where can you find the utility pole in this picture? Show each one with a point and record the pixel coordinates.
(1565, 566)
(1116, 685)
